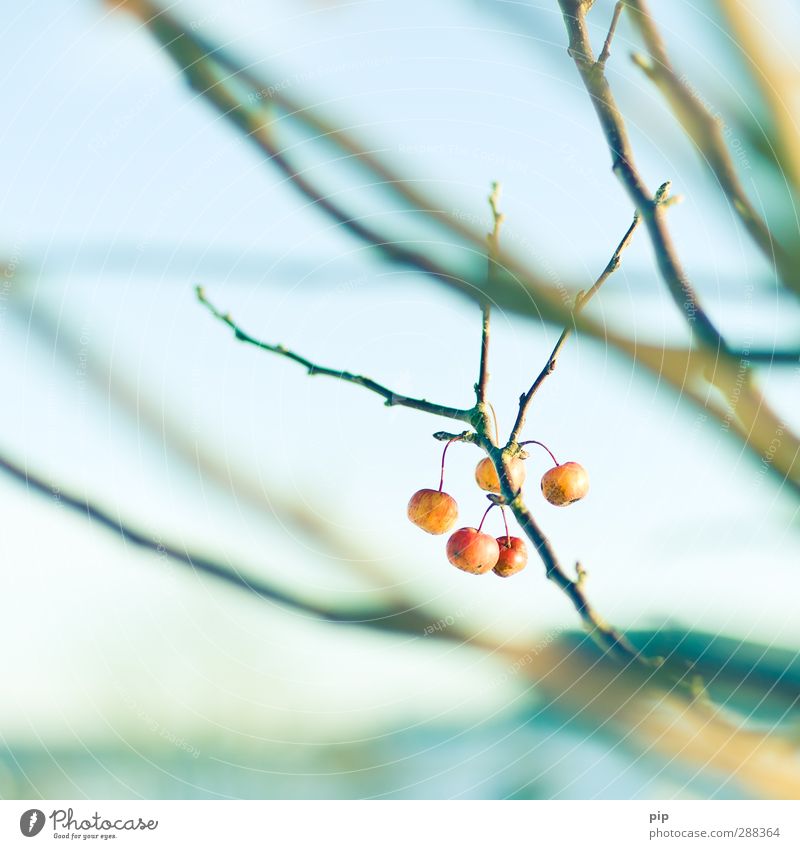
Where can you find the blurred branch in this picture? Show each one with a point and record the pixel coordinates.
(639, 711)
(777, 84)
(712, 364)
(392, 399)
(581, 300)
(514, 287)
(705, 132)
(387, 619)
(217, 83)
(170, 432)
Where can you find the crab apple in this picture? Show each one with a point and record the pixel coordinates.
(472, 551)
(486, 474)
(565, 484)
(513, 556)
(433, 511)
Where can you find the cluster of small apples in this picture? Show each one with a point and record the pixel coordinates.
(473, 551)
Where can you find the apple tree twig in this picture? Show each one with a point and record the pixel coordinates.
(492, 239)
(391, 398)
(580, 302)
(623, 163)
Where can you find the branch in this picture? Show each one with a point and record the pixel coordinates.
(624, 166)
(606, 636)
(517, 289)
(746, 32)
(580, 302)
(204, 75)
(407, 621)
(392, 399)
(492, 239)
(705, 131)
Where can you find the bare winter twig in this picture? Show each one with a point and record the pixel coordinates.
(580, 302)
(391, 398)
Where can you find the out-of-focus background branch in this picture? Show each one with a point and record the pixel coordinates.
(135, 680)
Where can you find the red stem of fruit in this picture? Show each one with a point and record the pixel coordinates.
(444, 454)
(485, 515)
(541, 445)
(505, 522)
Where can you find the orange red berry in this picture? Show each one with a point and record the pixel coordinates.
(472, 551)
(564, 484)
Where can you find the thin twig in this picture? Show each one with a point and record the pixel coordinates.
(492, 239)
(391, 398)
(623, 164)
(580, 302)
(705, 131)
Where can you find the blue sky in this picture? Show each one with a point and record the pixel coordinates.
(122, 191)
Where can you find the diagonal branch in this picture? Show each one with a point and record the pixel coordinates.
(391, 398)
(517, 289)
(388, 619)
(593, 75)
(605, 635)
(580, 302)
(705, 131)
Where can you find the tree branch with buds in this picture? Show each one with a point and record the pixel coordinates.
(484, 435)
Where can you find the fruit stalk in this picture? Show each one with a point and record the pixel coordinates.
(541, 445)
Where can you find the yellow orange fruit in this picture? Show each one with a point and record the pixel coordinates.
(433, 511)
(565, 484)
